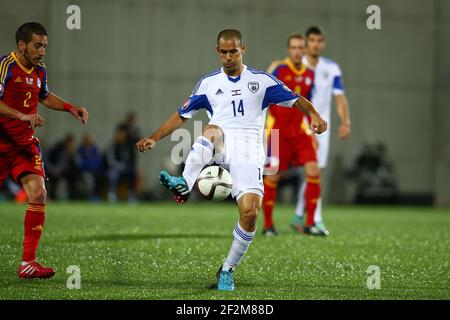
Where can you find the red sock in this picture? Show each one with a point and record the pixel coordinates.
(312, 195)
(34, 222)
(270, 196)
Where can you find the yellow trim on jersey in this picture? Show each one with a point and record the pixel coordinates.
(274, 65)
(28, 71)
(291, 66)
(42, 64)
(4, 67)
(287, 61)
(313, 180)
(270, 122)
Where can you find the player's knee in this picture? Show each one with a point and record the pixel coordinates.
(312, 169)
(249, 215)
(272, 179)
(37, 195)
(213, 133)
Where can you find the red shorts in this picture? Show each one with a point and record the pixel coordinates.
(294, 151)
(21, 161)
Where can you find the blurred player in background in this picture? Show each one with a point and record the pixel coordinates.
(296, 143)
(236, 98)
(23, 83)
(327, 82)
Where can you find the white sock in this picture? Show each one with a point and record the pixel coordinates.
(200, 155)
(239, 247)
(318, 212)
(220, 157)
(300, 209)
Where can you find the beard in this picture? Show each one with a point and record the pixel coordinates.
(297, 60)
(29, 59)
(230, 70)
(314, 53)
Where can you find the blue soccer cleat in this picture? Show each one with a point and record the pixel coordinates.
(299, 226)
(176, 185)
(225, 281)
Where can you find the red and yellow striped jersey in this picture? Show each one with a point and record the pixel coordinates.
(290, 120)
(20, 88)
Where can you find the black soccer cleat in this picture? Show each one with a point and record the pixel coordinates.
(312, 230)
(270, 232)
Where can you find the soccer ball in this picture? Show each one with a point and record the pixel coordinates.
(214, 183)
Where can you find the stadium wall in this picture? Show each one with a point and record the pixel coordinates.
(146, 56)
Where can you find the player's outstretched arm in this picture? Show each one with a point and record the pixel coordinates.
(174, 122)
(54, 102)
(318, 125)
(36, 120)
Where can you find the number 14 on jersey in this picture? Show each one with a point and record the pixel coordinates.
(240, 107)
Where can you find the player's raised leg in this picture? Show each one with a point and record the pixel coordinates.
(34, 186)
(249, 205)
(200, 155)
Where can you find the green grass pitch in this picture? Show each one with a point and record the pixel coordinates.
(169, 251)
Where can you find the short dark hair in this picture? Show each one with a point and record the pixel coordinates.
(294, 36)
(314, 30)
(26, 31)
(229, 34)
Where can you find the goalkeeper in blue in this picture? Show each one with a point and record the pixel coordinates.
(236, 98)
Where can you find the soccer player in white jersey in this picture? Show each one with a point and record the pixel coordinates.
(327, 83)
(235, 98)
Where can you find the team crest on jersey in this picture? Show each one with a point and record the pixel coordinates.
(38, 82)
(325, 74)
(29, 81)
(308, 81)
(253, 86)
(1, 89)
(186, 104)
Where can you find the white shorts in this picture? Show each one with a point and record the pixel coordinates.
(243, 156)
(323, 141)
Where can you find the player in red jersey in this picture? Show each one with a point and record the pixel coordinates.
(23, 83)
(296, 144)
